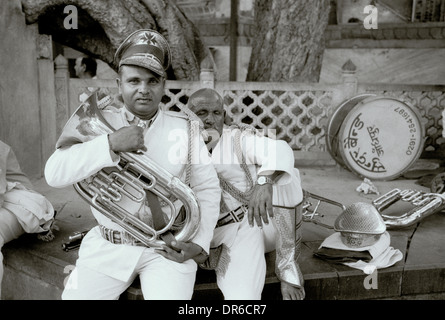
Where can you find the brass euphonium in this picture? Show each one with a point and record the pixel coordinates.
(425, 204)
(116, 192)
(421, 204)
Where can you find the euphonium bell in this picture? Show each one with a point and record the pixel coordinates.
(119, 192)
(423, 205)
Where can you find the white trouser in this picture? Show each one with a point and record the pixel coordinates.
(245, 273)
(159, 279)
(10, 229)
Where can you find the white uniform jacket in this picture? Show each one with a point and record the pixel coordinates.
(166, 141)
(263, 155)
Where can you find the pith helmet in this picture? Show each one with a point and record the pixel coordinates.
(360, 225)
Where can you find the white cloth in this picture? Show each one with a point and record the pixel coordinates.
(34, 212)
(11, 175)
(386, 259)
(334, 242)
(166, 141)
(10, 229)
(383, 255)
(245, 274)
(21, 208)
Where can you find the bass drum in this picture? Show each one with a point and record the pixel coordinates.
(334, 125)
(380, 138)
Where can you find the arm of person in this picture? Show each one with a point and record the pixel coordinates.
(10, 170)
(274, 158)
(72, 164)
(275, 162)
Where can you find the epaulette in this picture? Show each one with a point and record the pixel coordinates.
(111, 103)
(176, 114)
(104, 102)
(189, 115)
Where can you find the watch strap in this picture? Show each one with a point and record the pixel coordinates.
(267, 179)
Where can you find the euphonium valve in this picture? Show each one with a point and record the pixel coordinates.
(119, 193)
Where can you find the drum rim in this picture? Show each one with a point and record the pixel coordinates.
(346, 106)
(416, 156)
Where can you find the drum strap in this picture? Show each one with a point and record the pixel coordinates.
(158, 217)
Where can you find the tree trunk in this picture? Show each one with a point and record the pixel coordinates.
(103, 24)
(289, 43)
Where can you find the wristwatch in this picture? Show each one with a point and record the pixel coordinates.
(263, 180)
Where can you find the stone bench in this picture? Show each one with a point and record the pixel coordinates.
(37, 270)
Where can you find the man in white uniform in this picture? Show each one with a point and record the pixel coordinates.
(109, 257)
(260, 193)
(22, 209)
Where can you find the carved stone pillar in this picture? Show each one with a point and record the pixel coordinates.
(349, 79)
(47, 99)
(62, 79)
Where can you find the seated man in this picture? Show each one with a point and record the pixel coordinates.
(259, 185)
(21, 208)
(112, 256)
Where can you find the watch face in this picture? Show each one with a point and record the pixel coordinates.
(261, 180)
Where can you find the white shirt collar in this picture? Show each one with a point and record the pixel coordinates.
(134, 120)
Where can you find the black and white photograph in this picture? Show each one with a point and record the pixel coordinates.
(225, 154)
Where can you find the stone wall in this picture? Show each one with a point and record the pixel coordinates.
(24, 87)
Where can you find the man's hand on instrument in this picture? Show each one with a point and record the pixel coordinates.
(181, 251)
(127, 139)
(260, 205)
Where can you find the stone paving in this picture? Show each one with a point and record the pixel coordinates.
(37, 270)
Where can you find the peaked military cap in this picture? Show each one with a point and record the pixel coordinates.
(145, 48)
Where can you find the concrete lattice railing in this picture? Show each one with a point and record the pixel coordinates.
(295, 112)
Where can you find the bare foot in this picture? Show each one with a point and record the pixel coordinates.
(290, 292)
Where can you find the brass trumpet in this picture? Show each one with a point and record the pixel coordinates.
(119, 191)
